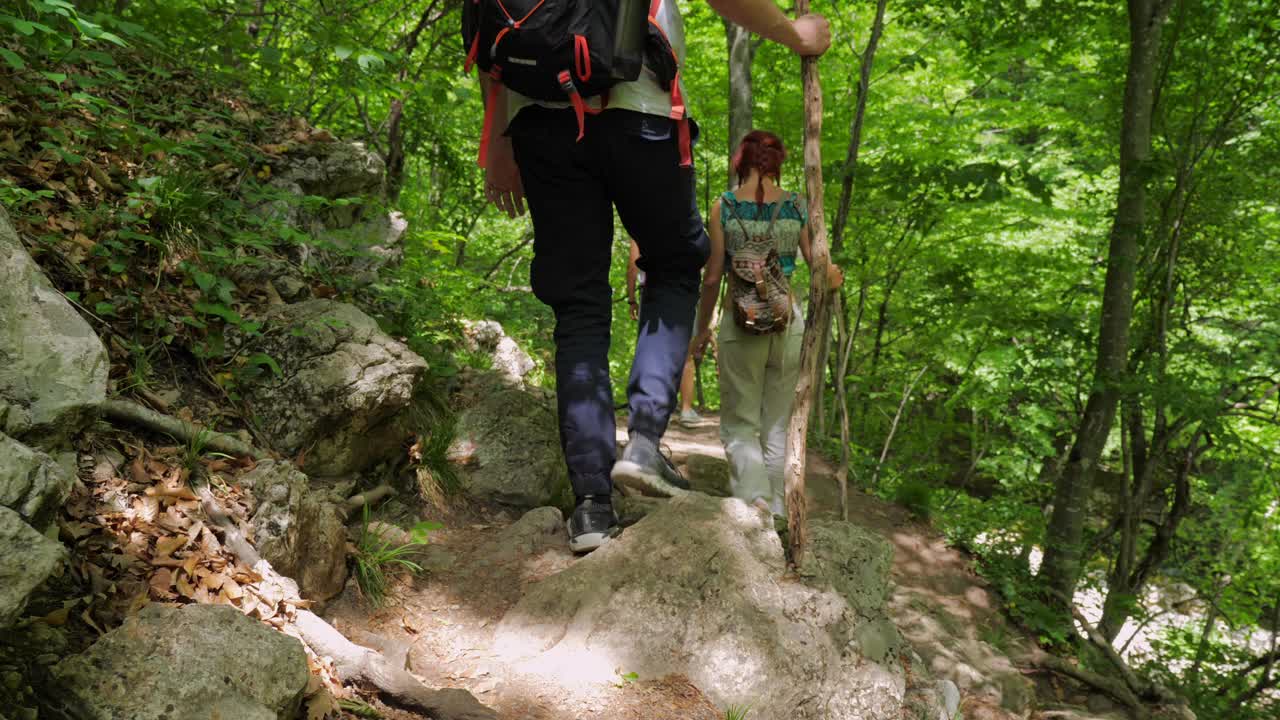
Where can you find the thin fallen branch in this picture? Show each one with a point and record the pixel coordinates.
(124, 411)
(154, 400)
(353, 663)
(368, 497)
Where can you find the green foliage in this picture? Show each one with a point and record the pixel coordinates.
(193, 453)
(737, 712)
(436, 427)
(360, 709)
(915, 495)
(377, 556)
(625, 679)
(976, 246)
(48, 26)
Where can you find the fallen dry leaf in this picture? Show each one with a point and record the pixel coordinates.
(138, 471)
(168, 545)
(174, 492)
(58, 617)
(231, 589)
(214, 581)
(161, 584)
(184, 586)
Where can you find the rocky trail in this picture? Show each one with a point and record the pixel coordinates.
(454, 620)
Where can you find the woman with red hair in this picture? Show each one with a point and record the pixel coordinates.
(758, 371)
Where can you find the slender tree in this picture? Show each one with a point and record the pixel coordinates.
(1064, 547)
(845, 339)
(742, 51)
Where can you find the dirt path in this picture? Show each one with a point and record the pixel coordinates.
(479, 566)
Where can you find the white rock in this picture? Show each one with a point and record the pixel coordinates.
(53, 367)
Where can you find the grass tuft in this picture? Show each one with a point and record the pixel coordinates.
(377, 556)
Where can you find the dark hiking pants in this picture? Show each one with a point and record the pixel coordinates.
(629, 161)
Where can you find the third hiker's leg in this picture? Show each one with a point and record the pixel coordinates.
(657, 203)
(687, 385)
(573, 232)
(781, 375)
(742, 360)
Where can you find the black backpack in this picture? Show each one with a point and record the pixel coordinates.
(568, 50)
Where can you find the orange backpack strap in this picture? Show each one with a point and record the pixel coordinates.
(495, 87)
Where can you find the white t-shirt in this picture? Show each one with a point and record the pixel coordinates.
(641, 95)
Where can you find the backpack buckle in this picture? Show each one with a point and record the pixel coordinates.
(566, 83)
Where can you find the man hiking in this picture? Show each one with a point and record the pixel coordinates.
(575, 154)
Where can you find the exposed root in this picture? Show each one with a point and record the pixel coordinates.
(353, 663)
(1112, 687)
(124, 411)
(1126, 686)
(360, 664)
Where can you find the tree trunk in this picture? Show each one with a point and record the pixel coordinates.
(395, 118)
(855, 130)
(1064, 542)
(741, 54)
(819, 316)
(1118, 605)
(843, 343)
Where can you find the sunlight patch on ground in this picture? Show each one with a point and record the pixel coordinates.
(569, 666)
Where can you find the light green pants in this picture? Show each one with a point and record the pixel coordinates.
(758, 376)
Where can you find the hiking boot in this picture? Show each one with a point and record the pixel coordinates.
(592, 524)
(646, 470)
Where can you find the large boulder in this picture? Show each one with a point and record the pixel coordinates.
(488, 337)
(346, 174)
(198, 662)
(700, 588)
(53, 368)
(27, 559)
(708, 474)
(535, 531)
(298, 530)
(32, 483)
(334, 170)
(364, 248)
(343, 388)
(507, 443)
(284, 278)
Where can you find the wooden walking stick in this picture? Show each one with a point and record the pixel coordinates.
(819, 316)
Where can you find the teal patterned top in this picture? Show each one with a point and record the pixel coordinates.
(786, 231)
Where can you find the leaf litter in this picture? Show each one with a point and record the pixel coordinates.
(140, 538)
